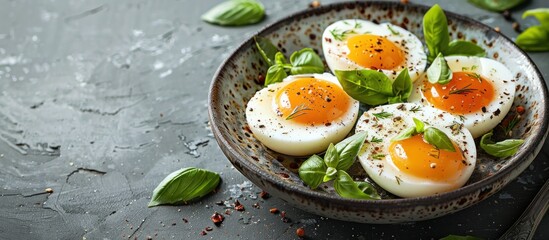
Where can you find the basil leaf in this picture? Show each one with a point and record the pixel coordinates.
(348, 150)
(496, 5)
(280, 59)
(395, 99)
(266, 49)
(438, 138)
(235, 13)
(535, 39)
(457, 237)
(331, 157)
(184, 185)
(464, 48)
(420, 126)
(331, 173)
(541, 14)
(276, 73)
(501, 149)
(407, 133)
(435, 31)
(439, 71)
(402, 86)
(306, 61)
(368, 189)
(367, 86)
(347, 188)
(312, 171)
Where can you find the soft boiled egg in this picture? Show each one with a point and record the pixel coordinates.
(481, 92)
(302, 115)
(412, 167)
(358, 44)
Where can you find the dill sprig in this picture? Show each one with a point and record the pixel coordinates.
(465, 90)
(381, 115)
(376, 140)
(475, 76)
(298, 111)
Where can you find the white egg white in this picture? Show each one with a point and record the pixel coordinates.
(502, 80)
(335, 50)
(288, 137)
(384, 172)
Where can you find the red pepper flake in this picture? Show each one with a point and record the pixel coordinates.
(203, 233)
(283, 214)
(217, 218)
(520, 110)
(300, 232)
(227, 212)
(208, 228)
(273, 210)
(238, 206)
(264, 195)
(404, 1)
(261, 79)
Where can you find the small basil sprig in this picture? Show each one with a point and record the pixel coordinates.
(235, 13)
(496, 5)
(501, 149)
(437, 38)
(184, 185)
(439, 71)
(347, 188)
(301, 62)
(431, 135)
(535, 38)
(374, 88)
(266, 49)
(338, 159)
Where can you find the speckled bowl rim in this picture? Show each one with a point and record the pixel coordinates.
(532, 146)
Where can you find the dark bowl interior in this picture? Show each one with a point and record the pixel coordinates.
(236, 82)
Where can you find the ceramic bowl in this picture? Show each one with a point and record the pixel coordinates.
(236, 81)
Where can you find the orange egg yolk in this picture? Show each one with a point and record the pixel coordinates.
(465, 93)
(374, 52)
(420, 159)
(311, 101)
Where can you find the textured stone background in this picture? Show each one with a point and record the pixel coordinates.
(100, 100)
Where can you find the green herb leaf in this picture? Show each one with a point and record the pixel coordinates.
(402, 86)
(276, 73)
(184, 185)
(367, 86)
(496, 5)
(280, 59)
(395, 99)
(457, 237)
(312, 171)
(347, 188)
(331, 174)
(235, 13)
(541, 14)
(382, 115)
(331, 157)
(435, 30)
(464, 48)
(407, 133)
(438, 138)
(306, 61)
(534, 39)
(266, 49)
(501, 149)
(348, 150)
(420, 125)
(439, 71)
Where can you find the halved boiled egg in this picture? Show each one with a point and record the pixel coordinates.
(302, 115)
(481, 92)
(412, 167)
(358, 44)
